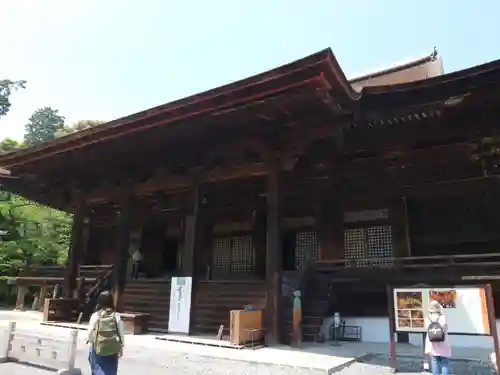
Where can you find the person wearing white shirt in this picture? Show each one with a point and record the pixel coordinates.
(136, 262)
(100, 364)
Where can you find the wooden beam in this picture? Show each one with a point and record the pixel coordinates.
(171, 184)
(273, 253)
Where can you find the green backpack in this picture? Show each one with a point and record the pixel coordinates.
(106, 336)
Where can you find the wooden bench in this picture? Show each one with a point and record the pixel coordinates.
(135, 323)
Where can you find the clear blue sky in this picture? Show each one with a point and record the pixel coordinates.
(103, 59)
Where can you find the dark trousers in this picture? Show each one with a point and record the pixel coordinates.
(135, 269)
(103, 365)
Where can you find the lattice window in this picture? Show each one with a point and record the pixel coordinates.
(380, 244)
(305, 242)
(233, 254)
(243, 255)
(355, 246)
(366, 215)
(371, 242)
(221, 254)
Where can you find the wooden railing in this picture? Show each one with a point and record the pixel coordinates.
(87, 271)
(104, 282)
(462, 261)
(92, 280)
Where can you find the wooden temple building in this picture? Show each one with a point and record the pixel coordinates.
(247, 186)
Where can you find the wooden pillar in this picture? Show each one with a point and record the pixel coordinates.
(21, 294)
(399, 220)
(207, 228)
(191, 230)
(122, 249)
(273, 254)
(76, 246)
(43, 297)
(259, 241)
(85, 238)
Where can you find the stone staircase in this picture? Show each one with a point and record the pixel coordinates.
(213, 300)
(151, 297)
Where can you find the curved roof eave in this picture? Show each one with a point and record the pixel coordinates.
(323, 64)
(469, 73)
(432, 90)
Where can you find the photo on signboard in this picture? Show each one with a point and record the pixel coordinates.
(417, 323)
(404, 323)
(404, 314)
(417, 314)
(410, 310)
(446, 298)
(409, 300)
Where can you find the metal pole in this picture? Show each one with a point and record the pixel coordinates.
(392, 341)
(425, 357)
(493, 323)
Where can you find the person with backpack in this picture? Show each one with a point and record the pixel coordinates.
(436, 342)
(105, 337)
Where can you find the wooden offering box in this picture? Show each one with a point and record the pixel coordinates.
(241, 322)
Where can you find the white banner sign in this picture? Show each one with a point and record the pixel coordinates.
(180, 305)
(464, 307)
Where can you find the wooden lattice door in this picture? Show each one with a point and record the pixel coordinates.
(306, 246)
(232, 255)
(363, 239)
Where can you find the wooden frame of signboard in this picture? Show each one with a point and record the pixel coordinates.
(488, 310)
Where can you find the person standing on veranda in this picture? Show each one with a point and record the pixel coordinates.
(136, 263)
(436, 342)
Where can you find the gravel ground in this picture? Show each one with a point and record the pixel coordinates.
(159, 362)
(15, 369)
(170, 364)
(380, 365)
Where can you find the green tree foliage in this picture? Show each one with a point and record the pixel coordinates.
(78, 126)
(9, 144)
(32, 234)
(7, 87)
(43, 125)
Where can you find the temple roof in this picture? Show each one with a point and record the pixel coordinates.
(445, 90)
(319, 72)
(320, 68)
(414, 69)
